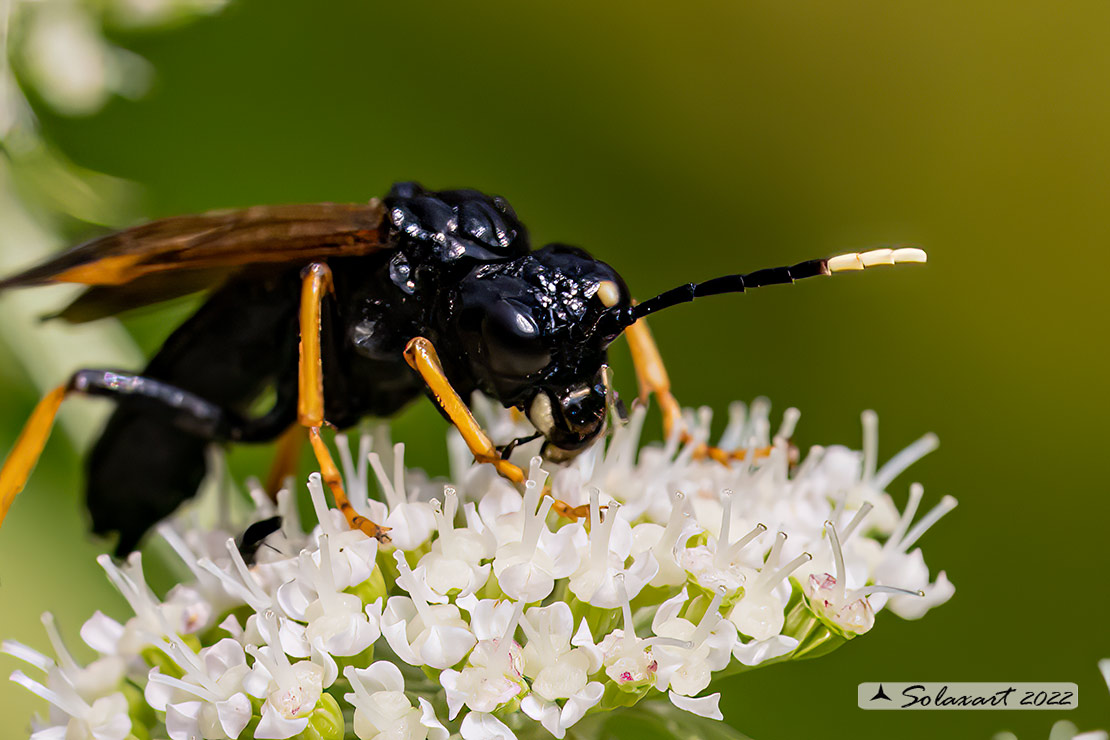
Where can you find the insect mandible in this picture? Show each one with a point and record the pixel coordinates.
(347, 311)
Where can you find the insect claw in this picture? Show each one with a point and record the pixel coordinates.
(506, 450)
(377, 531)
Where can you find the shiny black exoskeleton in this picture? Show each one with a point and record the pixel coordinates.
(528, 328)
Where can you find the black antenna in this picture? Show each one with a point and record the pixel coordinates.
(776, 276)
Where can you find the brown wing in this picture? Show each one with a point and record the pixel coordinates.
(99, 301)
(211, 243)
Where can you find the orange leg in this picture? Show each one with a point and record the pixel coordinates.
(422, 357)
(316, 283)
(17, 468)
(334, 481)
(286, 459)
(652, 378)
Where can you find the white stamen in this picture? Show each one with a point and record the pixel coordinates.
(773, 556)
(863, 511)
(65, 659)
(399, 471)
(26, 654)
(838, 558)
(782, 573)
(190, 688)
(290, 515)
(896, 465)
(876, 589)
(320, 504)
(709, 619)
(946, 505)
(256, 595)
(600, 529)
(721, 556)
(392, 498)
(870, 422)
(735, 548)
(70, 703)
(418, 602)
(789, 422)
(917, 491)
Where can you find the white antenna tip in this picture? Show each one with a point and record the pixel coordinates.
(845, 262)
(910, 254)
(877, 257)
(873, 258)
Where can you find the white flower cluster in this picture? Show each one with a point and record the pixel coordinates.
(489, 615)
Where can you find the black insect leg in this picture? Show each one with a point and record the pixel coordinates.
(186, 411)
(506, 450)
(154, 444)
(151, 455)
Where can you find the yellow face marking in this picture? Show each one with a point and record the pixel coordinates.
(609, 293)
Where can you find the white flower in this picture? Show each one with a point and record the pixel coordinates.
(908, 569)
(73, 66)
(627, 659)
(425, 634)
(153, 619)
(85, 699)
(97, 679)
(208, 700)
(480, 726)
(848, 612)
(454, 566)
(352, 551)
(335, 618)
(714, 590)
(558, 671)
(528, 564)
(721, 564)
(494, 672)
(105, 718)
(664, 542)
(759, 614)
(291, 690)
(687, 669)
(610, 542)
(411, 522)
(383, 710)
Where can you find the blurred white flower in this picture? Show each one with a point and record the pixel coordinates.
(72, 66)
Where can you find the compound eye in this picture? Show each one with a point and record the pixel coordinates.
(513, 341)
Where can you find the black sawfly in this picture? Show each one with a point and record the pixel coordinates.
(346, 311)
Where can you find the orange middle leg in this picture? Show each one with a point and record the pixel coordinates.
(316, 283)
(652, 378)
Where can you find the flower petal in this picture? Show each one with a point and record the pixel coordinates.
(480, 726)
(703, 706)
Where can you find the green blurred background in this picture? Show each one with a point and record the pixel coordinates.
(681, 142)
